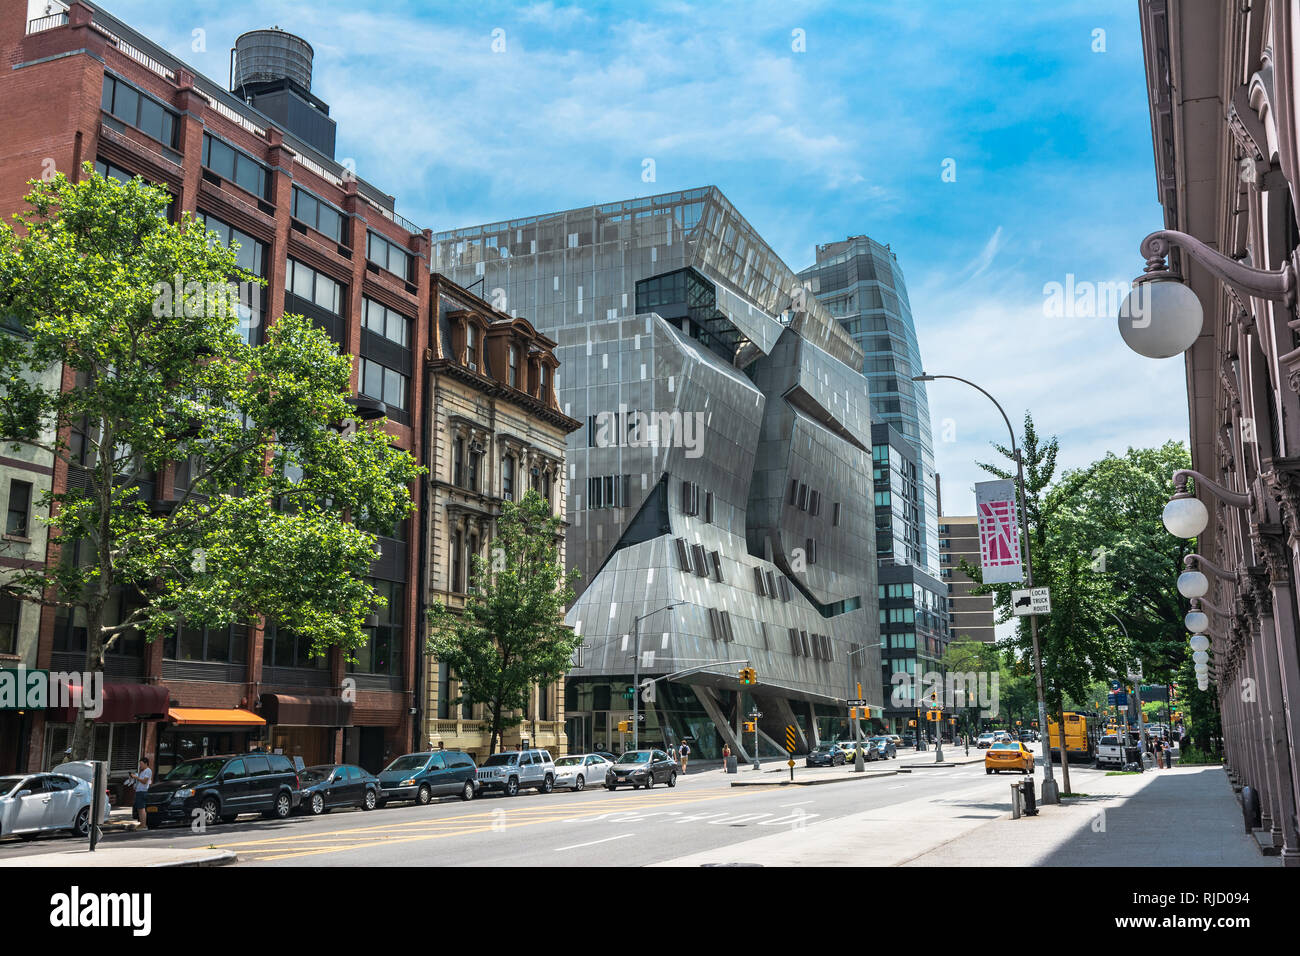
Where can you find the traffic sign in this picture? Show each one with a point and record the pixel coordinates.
(789, 739)
(858, 703)
(1031, 601)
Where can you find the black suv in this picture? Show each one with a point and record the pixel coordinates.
(221, 788)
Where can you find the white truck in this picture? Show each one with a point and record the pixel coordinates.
(1111, 751)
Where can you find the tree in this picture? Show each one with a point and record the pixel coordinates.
(159, 383)
(511, 634)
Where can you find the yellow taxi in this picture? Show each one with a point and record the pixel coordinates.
(1008, 755)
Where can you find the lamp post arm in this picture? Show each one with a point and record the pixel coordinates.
(1201, 603)
(1193, 561)
(1236, 499)
(1278, 286)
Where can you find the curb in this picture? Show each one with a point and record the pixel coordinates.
(817, 783)
(221, 858)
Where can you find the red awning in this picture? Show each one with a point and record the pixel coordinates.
(123, 704)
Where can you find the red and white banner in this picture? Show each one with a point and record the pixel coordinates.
(995, 506)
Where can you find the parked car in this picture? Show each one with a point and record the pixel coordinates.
(898, 741)
(514, 770)
(985, 740)
(221, 788)
(909, 740)
(884, 747)
(612, 758)
(325, 787)
(1028, 737)
(573, 772)
(827, 755)
(642, 768)
(31, 804)
(423, 776)
(84, 770)
(1006, 755)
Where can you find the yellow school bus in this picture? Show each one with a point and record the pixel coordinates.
(1080, 736)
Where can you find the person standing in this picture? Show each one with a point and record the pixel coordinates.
(684, 752)
(139, 781)
(726, 756)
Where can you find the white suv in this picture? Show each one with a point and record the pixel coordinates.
(513, 770)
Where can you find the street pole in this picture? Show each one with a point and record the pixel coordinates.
(1051, 793)
(636, 672)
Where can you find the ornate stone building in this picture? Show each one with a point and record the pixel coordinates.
(1221, 78)
(495, 431)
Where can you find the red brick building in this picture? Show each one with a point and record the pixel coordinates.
(80, 86)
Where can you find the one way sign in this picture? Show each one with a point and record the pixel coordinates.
(1032, 601)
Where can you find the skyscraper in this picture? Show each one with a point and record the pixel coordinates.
(860, 283)
(719, 504)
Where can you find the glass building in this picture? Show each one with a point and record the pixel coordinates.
(859, 282)
(723, 469)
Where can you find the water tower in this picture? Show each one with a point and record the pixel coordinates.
(271, 71)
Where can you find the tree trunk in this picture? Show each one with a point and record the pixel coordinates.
(83, 725)
(496, 727)
(1065, 758)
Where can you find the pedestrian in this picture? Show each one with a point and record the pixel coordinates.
(684, 752)
(726, 756)
(139, 781)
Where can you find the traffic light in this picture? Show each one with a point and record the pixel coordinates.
(748, 676)
(749, 726)
(625, 726)
(911, 723)
(853, 713)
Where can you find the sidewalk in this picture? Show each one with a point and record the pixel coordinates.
(115, 855)
(1170, 818)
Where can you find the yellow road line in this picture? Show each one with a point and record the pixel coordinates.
(274, 848)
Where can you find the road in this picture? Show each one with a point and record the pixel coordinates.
(626, 828)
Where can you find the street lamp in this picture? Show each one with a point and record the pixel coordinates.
(859, 765)
(636, 672)
(1051, 794)
(1137, 689)
(1162, 317)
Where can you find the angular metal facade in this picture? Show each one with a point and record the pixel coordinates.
(725, 465)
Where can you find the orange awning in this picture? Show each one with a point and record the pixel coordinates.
(214, 717)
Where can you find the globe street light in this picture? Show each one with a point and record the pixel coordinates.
(1162, 317)
(1197, 621)
(1051, 793)
(1200, 643)
(1193, 584)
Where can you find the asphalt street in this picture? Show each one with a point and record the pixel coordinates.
(592, 828)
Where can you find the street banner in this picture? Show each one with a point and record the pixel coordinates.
(995, 505)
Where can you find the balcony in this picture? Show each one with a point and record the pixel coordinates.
(47, 23)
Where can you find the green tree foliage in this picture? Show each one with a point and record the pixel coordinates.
(158, 377)
(511, 634)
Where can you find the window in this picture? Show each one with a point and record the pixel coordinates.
(715, 559)
(458, 463)
(544, 389)
(835, 514)
(388, 255)
(608, 491)
(251, 257)
(281, 647)
(382, 652)
(20, 507)
(472, 474)
(508, 477)
(470, 575)
(225, 645)
(514, 366)
(318, 214)
(457, 545)
(314, 287)
(384, 321)
(238, 167)
(139, 110)
(11, 614)
(385, 384)
(708, 507)
(471, 347)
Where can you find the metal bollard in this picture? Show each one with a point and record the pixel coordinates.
(1015, 801)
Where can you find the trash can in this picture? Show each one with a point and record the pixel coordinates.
(732, 764)
(1027, 797)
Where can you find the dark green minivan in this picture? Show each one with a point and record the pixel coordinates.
(425, 776)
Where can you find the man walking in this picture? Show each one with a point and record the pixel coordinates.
(684, 752)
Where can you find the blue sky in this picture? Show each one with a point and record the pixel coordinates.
(1044, 118)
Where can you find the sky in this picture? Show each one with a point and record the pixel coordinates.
(1002, 149)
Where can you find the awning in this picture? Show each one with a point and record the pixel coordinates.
(123, 704)
(287, 710)
(214, 717)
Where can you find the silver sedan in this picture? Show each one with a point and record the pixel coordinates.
(575, 771)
